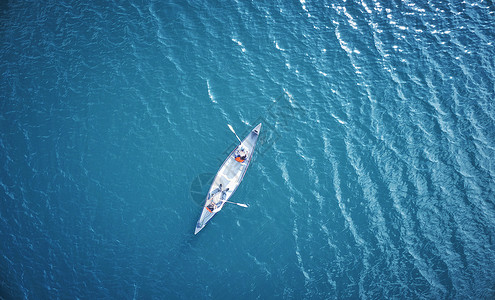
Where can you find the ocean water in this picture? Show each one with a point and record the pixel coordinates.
(373, 177)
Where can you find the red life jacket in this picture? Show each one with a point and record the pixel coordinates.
(240, 159)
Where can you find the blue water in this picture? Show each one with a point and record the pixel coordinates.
(373, 177)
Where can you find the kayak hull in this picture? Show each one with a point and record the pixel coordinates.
(229, 176)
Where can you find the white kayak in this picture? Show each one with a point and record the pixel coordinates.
(228, 178)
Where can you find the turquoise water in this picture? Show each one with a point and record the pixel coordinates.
(373, 177)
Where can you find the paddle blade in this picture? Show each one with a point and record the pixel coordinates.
(233, 131)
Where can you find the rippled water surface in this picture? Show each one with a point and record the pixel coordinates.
(373, 177)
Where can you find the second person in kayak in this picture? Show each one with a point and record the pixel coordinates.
(241, 155)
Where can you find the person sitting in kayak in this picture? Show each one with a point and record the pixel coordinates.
(241, 155)
(218, 205)
(214, 206)
(215, 191)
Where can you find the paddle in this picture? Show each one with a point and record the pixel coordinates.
(232, 129)
(240, 204)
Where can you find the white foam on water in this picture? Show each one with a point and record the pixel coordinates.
(210, 93)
